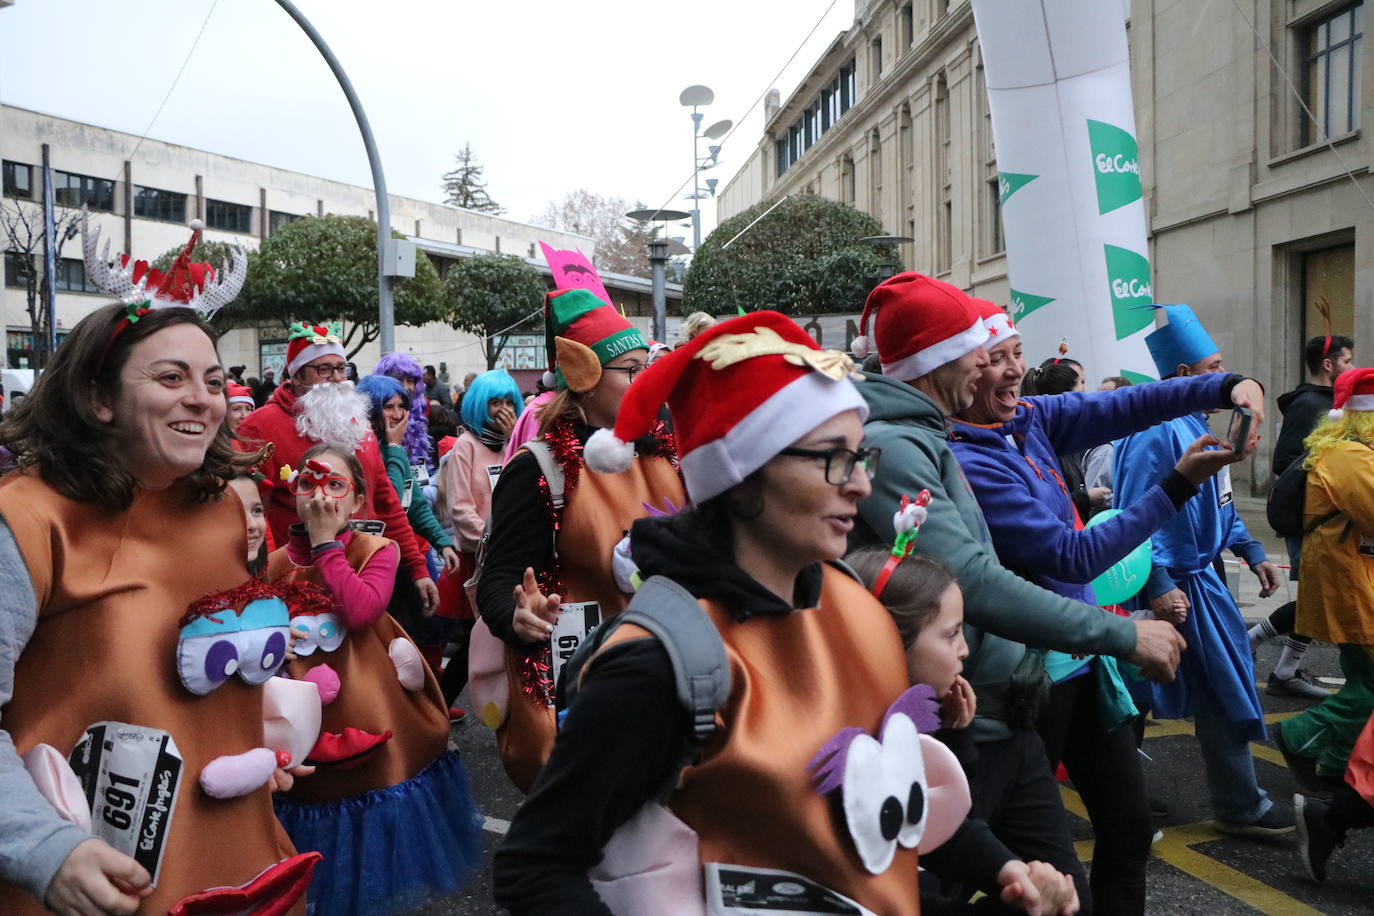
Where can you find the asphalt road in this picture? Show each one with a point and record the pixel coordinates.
(1192, 870)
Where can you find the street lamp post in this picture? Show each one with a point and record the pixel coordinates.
(386, 250)
(694, 97)
(658, 264)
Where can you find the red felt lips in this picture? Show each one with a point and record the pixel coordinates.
(272, 893)
(345, 747)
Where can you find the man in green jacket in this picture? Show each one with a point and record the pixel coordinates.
(930, 340)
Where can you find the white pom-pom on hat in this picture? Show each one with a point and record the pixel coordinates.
(197, 224)
(860, 347)
(548, 379)
(1335, 413)
(606, 454)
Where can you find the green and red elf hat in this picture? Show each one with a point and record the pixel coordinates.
(582, 333)
(739, 393)
(308, 342)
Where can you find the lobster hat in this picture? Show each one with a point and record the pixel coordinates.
(996, 320)
(1354, 391)
(919, 324)
(240, 394)
(739, 393)
(1181, 342)
(308, 342)
(583, 333)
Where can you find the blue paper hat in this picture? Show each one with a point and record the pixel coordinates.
(1182, 341)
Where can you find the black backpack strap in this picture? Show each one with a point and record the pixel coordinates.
(1319, 521)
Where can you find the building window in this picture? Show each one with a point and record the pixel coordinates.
(848, 87)
(991, 190)
(75, 191)
(17, 267)
(220, 214)
(151, 203)
(836, 98)
(875, 175)
(276, 219)
(1331, 51)
(847, 189)
(18, 180)
(1328, 281)
(906, 27)
(944, 211)
(71, 277)
(875, 49)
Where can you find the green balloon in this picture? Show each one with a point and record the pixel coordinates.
(1126, 576)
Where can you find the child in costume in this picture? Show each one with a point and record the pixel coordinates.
(926, 604)
(385, 780)
(245, 486)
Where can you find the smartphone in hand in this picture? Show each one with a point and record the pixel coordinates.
(1239, 432)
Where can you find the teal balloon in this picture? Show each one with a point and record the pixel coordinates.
(1127, 576)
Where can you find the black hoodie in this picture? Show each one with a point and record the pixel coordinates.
(1302, 408)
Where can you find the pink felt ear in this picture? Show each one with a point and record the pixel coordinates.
(291, 713)
(58, 784)
(230, 777)
(947, 795)
(326, 680)
(410, 667)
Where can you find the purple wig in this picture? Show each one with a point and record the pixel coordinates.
(402, 366)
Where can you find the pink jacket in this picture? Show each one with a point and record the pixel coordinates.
(527, 427)
(469, 473)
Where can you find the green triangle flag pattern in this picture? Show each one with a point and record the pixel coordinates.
(1009, 182)
(1068, 177)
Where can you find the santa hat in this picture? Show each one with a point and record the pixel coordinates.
(308, 342)
(739, 393)
(919, 324)
(240, 394)
(582, 334)
(996, 320)
(1354, 391)
(144, 287)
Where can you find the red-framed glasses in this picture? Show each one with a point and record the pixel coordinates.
(335, 485)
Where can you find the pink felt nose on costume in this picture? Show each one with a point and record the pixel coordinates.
(326, 680)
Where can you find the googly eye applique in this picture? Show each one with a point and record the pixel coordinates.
(902, 788)
(242, 631)
(315, 621)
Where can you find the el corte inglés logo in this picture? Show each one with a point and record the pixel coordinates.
(1128, 275)
(1116, 166)
(1022, 304)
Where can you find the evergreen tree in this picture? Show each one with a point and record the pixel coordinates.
(465, 187)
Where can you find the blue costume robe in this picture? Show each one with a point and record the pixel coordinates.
(1217, 660)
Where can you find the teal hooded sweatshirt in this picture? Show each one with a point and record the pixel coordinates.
(1003, 613)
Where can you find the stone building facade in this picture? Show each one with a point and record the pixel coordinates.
(1253, 215)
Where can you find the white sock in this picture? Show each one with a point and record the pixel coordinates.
(1261, 632)
(1293, 651)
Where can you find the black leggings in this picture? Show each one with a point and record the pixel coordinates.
(1106, 771)
(455, 676)
(1284, 619)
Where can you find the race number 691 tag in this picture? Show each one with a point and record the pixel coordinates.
(574, 620)
(130, 775)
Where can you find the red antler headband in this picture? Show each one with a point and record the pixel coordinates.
(907, 523)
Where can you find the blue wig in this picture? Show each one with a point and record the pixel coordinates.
(380, 389)
(401, 366)
(494, 384)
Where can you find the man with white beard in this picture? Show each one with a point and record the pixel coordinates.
(315, 404)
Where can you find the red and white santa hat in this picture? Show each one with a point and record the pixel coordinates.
(240, 394)
(1354, 391)
(996, 320)
(308, 342)
(919, 324)
(739, 393)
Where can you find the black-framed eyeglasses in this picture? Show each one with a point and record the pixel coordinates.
(630, 371)
(325, 370)
(839, 462)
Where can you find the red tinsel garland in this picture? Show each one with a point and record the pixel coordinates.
(565, 445)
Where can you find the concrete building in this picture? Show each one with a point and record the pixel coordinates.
(1253, 217)
(143, 194)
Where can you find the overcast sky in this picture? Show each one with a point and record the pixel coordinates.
(552, 95)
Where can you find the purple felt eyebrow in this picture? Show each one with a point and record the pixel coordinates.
(918, 703)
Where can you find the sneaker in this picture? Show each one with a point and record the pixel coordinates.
(456, 714)
(1273, 824)
(1301, 686)
(1316, 839)
(1159, 835)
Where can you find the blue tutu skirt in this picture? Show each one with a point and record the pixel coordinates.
(390, 849)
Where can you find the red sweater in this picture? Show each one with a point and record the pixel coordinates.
(275, 421)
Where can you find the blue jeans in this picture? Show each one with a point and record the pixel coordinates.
(1236, 795)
